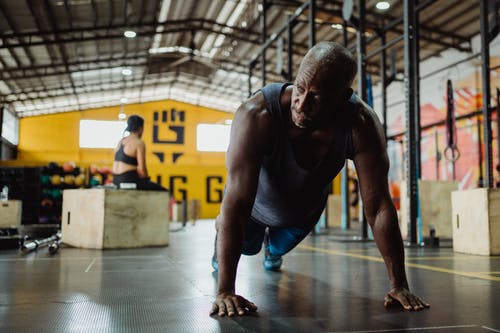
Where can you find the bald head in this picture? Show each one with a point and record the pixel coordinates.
(332, 62)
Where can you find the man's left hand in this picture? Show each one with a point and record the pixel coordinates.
(408, 301)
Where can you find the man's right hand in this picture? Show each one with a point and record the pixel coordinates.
(231, 304)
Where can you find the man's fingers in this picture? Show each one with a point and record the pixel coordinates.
(232, 305)
(229, 307)
(243, 302)
(413, 303)
(423, 303)
(240, 310)
(242, 305)
(388, 300)
(222, 309)
(405, 303)
(214, 308)
(251, 306)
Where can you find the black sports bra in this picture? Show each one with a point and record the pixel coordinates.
(122, 157)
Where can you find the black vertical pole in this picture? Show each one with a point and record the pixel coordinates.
(416, 69)
(361, 50)
(312, 25)
(438, 153)
(1, 126)
(263, 29)
(485, 52)
(383, 83)
(480, 181)
(411, 146)
(250, 67)
(344, 176)
(344, 33)
(498, 126)
(290, 49)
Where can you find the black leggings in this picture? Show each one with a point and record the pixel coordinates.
(141, 183)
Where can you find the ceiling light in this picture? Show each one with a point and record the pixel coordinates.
(383, 5)
(337, 26)
(126, 71)
(129, 34)
(122, 116)
(123, 100)
(244, 24)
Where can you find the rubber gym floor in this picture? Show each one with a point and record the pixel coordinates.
(327, 284)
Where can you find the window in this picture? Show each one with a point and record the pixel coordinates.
(10, 127)
(212, 137)
(101, 133)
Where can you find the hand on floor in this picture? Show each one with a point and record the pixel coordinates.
(408, 301)
(231, 304)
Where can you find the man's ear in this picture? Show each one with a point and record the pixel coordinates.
(348, 93)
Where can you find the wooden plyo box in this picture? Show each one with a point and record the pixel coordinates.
(111, 219)
(10, 213)
(192, 209)
(435, 207)
(476, 221)
(334, 210)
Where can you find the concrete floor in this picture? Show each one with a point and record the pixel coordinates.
(326, 285)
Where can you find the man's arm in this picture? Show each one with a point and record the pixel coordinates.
(372, 165)
(249, 138)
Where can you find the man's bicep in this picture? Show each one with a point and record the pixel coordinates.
(372, 169)
(244, 157)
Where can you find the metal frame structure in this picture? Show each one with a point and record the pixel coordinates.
(485, 68)
(417, 35)
(75, 45)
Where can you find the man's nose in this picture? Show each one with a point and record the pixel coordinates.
(303, 103)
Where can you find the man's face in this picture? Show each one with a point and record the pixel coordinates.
(312, 97)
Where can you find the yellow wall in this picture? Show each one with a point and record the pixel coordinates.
(48, 138)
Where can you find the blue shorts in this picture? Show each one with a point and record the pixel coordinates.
(281, 240)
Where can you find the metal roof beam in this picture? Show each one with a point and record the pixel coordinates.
(54, 26)
(134, 83)
(170, 24)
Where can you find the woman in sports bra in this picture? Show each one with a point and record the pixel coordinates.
(129, 165)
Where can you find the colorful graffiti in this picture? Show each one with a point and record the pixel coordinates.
(434, 140)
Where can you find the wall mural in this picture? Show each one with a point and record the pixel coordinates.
(172, 141)
(168, 131)
(434, 140)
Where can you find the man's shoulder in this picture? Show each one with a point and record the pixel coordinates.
(367, 131)
(254, 106)
(364, 117)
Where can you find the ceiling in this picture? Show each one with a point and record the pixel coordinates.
(67, 55)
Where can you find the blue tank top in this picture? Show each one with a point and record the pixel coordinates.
(287, 194)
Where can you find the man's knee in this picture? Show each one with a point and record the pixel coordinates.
(279, 250)
(251, 249)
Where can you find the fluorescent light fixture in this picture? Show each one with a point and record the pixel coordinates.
(126, 71)
(383, 5)
(177, 49)
(229, 15)
(130, 34)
